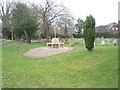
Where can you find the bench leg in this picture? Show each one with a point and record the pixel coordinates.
(52, 45)
(63, 45)
(59, 45)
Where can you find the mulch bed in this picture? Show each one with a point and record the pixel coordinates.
(45, 52)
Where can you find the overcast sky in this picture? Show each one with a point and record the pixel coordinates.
(104, 11)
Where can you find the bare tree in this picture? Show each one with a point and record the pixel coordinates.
(50, 13)
(5, 13)
(66, 22)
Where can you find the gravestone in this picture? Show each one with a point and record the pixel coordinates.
(108, 41)
(102, 38)
(103, 42)
(72, 38)
(98, 39)
(66, 41)
(62, 40)
(78, 43)
(117, 43)
(97, 42)
(114, 42)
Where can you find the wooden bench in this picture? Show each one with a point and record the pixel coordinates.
(55, 42)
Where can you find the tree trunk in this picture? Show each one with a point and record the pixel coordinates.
(38, 38)
(29, 40)
(47, 34)
(12, 34)
(25, 35)
(65, 31)
(66, 40)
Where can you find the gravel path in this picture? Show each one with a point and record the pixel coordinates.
(45, 52)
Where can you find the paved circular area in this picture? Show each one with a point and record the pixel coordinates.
(45, 52)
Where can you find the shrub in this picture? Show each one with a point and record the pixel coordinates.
(89, 32)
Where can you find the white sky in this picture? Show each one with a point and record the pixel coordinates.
(104, 11)
(119, 11)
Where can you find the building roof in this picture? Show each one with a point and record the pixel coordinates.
(105, 28)
(101, 28)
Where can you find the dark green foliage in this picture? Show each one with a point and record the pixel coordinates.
(18, 34)
(118, 35)
(79, 25)
(89, 32)
(107, 34)
(6, 33)
(43, 35)
(23, 22)
(78, 35)
(30, 29)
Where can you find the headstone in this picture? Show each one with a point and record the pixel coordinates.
(114, 41)
(62, 40)
(108, 41)
(78, 43)
(98, 39)
(117, 43)
(102, 38)
(72, 38)
(66, 41)
(32, 41)
(103, 42)
(96, 42)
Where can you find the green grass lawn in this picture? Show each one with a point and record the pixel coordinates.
(78, 68)
(0, 66)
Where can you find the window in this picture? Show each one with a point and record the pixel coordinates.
(112, 28)
(116, 28)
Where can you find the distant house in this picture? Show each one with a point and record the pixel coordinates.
(0, 30)
(112, 27)
(101, 29)
(119, 26)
